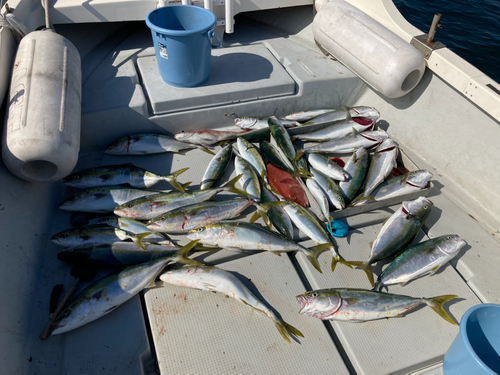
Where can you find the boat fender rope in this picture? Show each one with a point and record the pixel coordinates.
(10, 21)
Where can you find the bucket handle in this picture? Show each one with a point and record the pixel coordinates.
(211, 34)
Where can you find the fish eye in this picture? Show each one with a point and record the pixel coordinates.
(314, 294)
(448, 238)
(201, 229)
(65, 314)
(129, 206)
(162, 218)
(77, 177)
(425, 207)
(63, 236)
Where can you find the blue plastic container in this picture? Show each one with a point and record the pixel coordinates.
(182, 38)
(476, 349)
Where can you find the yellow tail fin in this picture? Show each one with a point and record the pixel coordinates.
(285, 329)
(365, 267)
(138, 240)
(436, 303)
(182, 255)
(172, 178)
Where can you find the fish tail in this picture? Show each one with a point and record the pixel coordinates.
(378, 286)
(313, 252)
(182, 255)
(207, 150)
(262, 209)
(436, 303)
(138, 240)
(285, 329)
(300, 172)
(365, 267)
(185, 185)
(172, 178)
(231, 186)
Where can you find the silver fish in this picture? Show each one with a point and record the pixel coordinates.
(277, 215)
(136, 227)
(307, 115)
(381, 165)
(207, 138)
(213, 279)
(96, 234)
(253, 123)
(147, 208)
(419, 260)
(249, 180)
(106, 294)
(356, 167)
(358, 305)
(338, 130)
(241, 236)
(183, 219)
(319, 196)
(330, 188)
(326, 166)
(344, 113)
(350, 144)
(282, 138)
(146, 144)
(121, 174)
(103, 199)
(216, 167)
(250, 154)
(399, 185)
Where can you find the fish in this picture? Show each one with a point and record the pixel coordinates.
(350, 144)
(397, 232)
(217, 167)
(341, 114)
(338, 130)
(277, 215)
(119, 175)
(121, 254)
(319, 196)
(207, 138)
(271, 155)
(254, 123)
(425, 258)
(249, 180)
(250, 154)
(286, 185)
(147, 144)
(302, 116)
(326, 166)
(147, 208)
(356, 168)
(358, 305)
(104, 199)
(136, 227)
(96, 234)
(183, 219)
(381, 165)
(330, 188)
(400, 185)
(213, 279)
(106, 294)
(282, 138)
(240, 236)
(308, 223)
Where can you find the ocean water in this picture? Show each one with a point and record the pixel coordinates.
(470, 28)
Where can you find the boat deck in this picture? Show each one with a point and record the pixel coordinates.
(174, 330)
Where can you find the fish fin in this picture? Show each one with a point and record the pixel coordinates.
(354, 158)
(348, 110)
(385, 221)
(138, 240)
(254, 217)
(184, 186)
(298, 155)
(231, 186)
(378, 286)
(354, 132)
(313, 252)
(100, 195)
(285, 329)
(434, 270)
(371, 243)
(436, 303)
(172, 178)
(365, 267)
(300, 172)
(207, 150)
(182, 254)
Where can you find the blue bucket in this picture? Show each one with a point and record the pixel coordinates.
(182, 38)
(476, 349)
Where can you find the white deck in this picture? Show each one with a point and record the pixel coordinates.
(179, 330)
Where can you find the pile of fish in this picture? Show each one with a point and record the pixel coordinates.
(292, 185)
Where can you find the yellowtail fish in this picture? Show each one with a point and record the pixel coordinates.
(338, 130)
(350, 144)
(106, 294)
(381, 165)
(216, 167)
(136, 227)
(358, 305)
(207, 138)
(119, 175)
(213, 279)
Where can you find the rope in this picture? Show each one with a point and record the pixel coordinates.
(12, 22)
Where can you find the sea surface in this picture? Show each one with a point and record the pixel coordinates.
(470, 28)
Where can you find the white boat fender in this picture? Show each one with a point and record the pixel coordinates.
(41, 137)
(374, 53)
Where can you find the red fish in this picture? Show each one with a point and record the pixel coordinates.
(286, 185)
